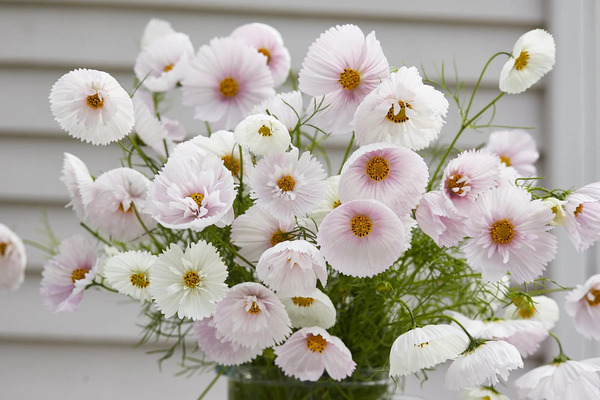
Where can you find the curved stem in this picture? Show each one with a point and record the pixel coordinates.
(452, 319)
(561, 355)
(212, 383)
(137, 214)
(479, 81)
(412, 317)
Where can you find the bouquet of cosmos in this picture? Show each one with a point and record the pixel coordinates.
(240, 237)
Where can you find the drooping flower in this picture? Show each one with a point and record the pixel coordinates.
(192, 191)
(482, 393)
(394, 175)
(439, 220)
(562, 380)
(533, 55)
(582, 219)
(311, 351)
(188, 282)
(252, 316)
(362, 238)
(314, 310)
(224, 81)
(257, 230)
(66, 275)
(75, 175)
(13, 259)
(129, 273)
(154, 30)
(483, 365)
(343, 66)
(262, 134)
(468, 175)
(291, 268)
(541, 308)
(401, 110)
(163, 62)
(268, 42)
(91, 105)
(110, 200)
(509, 232)
(582, 304)
(426, 347)
(330, 201)
(516, 148)
(286, 107)
(286, 185)
(220, 349)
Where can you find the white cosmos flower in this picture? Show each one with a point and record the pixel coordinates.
(314, 310)
(92, 106)
(262, 134)
(75, 175)
(532, 57)
(541, 308)
(129, 273)
(188, 283)
(557, 207)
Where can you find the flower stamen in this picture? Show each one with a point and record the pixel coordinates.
(265, 131)
(400, 117)
(303, 301)
(286, 183)
(191, 279)
(316, 343)
(77, 274)
(502, 231)
(169, 67)
(95, 101)
(378, 168)
(139, 280)
(521, 61)
(361, 225)
(578, 210)
(593, 297)
(505, 160)
(3, 247)
(231, 164)
(267, 53)
(279, 237)
(458, 184)
(228, 87)
(197, 197)
(254, 308)
(349, 79)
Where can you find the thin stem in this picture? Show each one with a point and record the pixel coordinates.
(39, 246)
(479, 81)
(452, 319)
(412, 317)
(350, 144)
(561, 354)
(137, 214)
(212, 383)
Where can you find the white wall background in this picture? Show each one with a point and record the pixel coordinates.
(90, 354)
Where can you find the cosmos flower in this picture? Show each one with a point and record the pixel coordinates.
(582, 304)
(582, 219)
(439, 220)
(286, 107)
(129, 273)
(516, 148)
(330, 201)
(314, 310)
(75, 175)
(541, 308)
(262, 134)
(155, 29)
(13, 259)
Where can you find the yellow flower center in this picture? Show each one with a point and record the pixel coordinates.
(228, 87)
(336, 204)
(486, 398)
(349, 79)
(521, 61)
(505, 160)
(502, 231)
(265, 131)
(453, 182)
(578, 210)
(122, 209)
(197, 197)
(401, 115)
(303, 301)
(94, 101)
(169, 67)
(254, 309)
(361, 225)
(139, 280)
(593, 297)
(421, 345)
(526, 312)
(267, 53)
(191, 279)
(279, 237)
(378, 168)
(286, 183)
(77, 274)
(231, 164)
(3, 247)
(316, 343)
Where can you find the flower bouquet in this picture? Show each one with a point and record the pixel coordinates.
(243, 239)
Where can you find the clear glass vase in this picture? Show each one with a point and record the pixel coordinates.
(269, 383)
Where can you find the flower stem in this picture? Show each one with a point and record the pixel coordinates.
(452, 319)
(561, 356)
(350, 144)
(212, 383)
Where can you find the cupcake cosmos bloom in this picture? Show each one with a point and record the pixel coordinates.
(13, 259)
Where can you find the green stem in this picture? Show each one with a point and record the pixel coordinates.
(150, 235)
(350, 144)
(39, 246)
(452, 319)
(479, 81)
(412, 317)
(561, 355)
(212, 383)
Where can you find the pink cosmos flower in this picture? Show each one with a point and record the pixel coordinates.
(310, 351)
(75, 175)
(394, 175)
(292, 268)
(344, 66)
(582, 304)
(13, 259)
(509, 232)
(218, 348)
(109, 203)
(362, 238)
(224, 81)
(582, 219)
(192, 191)
(252, 316)
(286, 107)
(468, 175)
(439, 220)
(515, 148)
(67, 274)
(268, 42)
(287, 186)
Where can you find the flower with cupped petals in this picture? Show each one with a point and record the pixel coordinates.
(426, 347)
(582, 219)
(343, 66)
(516, 148)
(13, 259)
(252, 316)
(537, 308)
(582, 304)
(192, 191)
(288, 186)
(401, 110)
(439, 220)
(561, 380)
(129, 273)
(224, 81)
(291, 268)
(557, 207)
(483, 365)
(262, 134)
(75, 175)
(362, 238)
(509, 232)
(314, 310)
(188, 282)
(533, 55)
(220, 349)
(92, 106)
(311, 351)
(482, 393)
(268, 42)
(394, 175)
(68, 273)
(286, 107)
